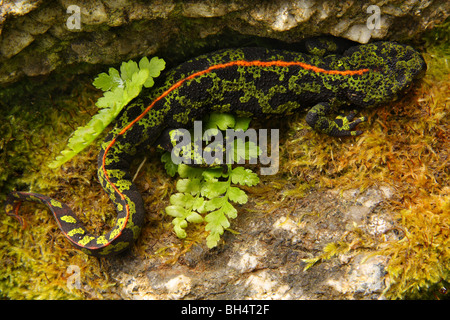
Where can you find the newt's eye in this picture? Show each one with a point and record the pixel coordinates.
(401, 79)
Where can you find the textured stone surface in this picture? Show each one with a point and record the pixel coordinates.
(265, 260)
(42, 32)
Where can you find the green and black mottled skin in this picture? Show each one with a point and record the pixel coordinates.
(252, 82)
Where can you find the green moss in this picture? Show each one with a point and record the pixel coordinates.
(405, 145)
(35, 123)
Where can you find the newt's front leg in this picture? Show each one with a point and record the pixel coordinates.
(317, 118)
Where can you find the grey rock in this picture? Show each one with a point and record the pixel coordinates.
(118, 30)
(14, 41)
(265, 260)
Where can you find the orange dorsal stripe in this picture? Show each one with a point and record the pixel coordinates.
(202, 72)
(245, 64)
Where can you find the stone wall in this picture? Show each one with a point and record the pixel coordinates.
(38, 37)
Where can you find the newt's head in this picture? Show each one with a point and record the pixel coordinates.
(392, 68)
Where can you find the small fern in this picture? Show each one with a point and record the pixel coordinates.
(208, 194)
(119, 89)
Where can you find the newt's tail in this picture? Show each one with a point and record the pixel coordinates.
(115, 178)
(115, 241)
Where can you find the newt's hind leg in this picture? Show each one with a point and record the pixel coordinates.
(317, 118)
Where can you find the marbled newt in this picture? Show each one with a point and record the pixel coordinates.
(252, 82)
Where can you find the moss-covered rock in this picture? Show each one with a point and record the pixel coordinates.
(368, 215)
